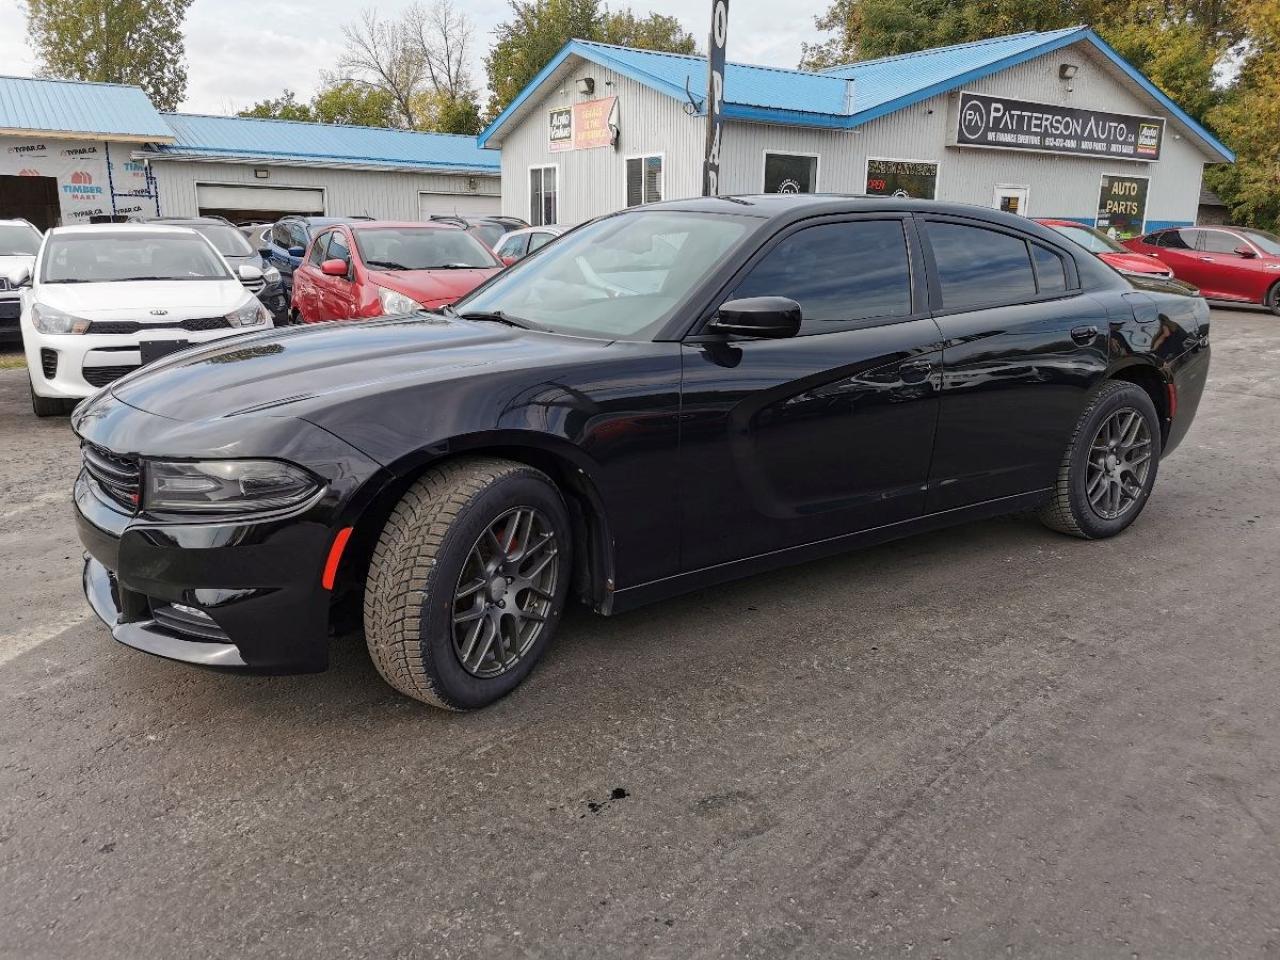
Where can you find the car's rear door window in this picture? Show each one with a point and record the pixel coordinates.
(853, 273)
(978, 267)
(1051, 272)
(537, 240)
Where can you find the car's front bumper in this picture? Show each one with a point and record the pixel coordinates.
(10, 310)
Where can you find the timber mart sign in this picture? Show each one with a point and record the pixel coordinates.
(986, 121)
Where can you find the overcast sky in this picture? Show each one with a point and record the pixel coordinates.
(241, 51)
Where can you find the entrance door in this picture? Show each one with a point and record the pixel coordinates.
(30, 198)
(1012, 199)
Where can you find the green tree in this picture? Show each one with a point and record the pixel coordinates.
(537, 30)
(461, 115)
(284, 107)
(113, 41)
(354, 104)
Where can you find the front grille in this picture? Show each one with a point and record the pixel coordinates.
(135, 326)
(49, 362)
(254, 286)
(188, 622)
(10, 309)
(101, 376)
(118, 477)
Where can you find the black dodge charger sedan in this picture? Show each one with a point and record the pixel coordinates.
(665, 398)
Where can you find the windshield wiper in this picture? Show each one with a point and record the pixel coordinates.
(456, 266)
(494, 316)
(386, 264)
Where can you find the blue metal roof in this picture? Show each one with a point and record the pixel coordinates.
(69, 107)
(323, 144)
(845, 96)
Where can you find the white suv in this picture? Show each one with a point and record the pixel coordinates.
(19, 242)
(105, 299)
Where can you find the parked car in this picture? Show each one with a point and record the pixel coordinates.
(1226, 263)
(238, 252)
(665, 398)
(518, 244)
(288, 241)
(258, 234)
(19, 243)
(1107, 250)
(375, 269)
(488, 230)
(103, 300)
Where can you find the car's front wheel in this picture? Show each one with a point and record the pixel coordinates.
(468, 582)
(1109, 467)
(1272, 300)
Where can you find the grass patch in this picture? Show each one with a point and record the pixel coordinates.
(13, 361)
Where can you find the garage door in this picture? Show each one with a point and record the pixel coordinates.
(457, 205)
(221, 197)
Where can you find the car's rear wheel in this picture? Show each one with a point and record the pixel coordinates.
(1272, 299)
(468, 582)
(1110, 465)
(49, 406)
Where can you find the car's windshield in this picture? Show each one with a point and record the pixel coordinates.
(114, 256)
(421, 248)
(1092, 240)
(490, 233)
(229, 241)
(619, 277)
(1268, 243)
(18, 240)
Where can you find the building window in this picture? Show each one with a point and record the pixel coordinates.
(544, 207)
(644, 180)
(790, 173)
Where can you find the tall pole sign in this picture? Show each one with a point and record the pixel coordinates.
(715, 96)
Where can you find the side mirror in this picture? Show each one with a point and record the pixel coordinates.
(508, 260)
(249, 274)
(1247, 252)
(21, 277)
(771, 318)
(334, 268)
(296, 251)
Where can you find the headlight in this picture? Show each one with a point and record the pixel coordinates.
(252, 314)
(394, 302)
(48, 320)
(271, 275)
(225, 486)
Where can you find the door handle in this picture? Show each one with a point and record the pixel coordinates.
(1207, 259)
(1085, 334)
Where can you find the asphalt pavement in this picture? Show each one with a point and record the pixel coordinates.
(989, 741)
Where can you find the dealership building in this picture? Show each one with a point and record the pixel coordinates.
(1052, 124)
(75, 152)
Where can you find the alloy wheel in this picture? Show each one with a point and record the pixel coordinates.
(1119, 462)
(505, 591)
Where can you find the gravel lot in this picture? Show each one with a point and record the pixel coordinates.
(988, 741)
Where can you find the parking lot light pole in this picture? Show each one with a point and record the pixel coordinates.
(715, 97)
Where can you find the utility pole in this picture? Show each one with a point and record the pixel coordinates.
(715, 97)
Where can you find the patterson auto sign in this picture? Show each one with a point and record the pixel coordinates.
(987, 121)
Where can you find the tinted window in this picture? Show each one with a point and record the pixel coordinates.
(1269, 243)
(789, 173)
(1176, 239)
(977, 266)
(838, 273)
(280, 235)
(1051, 272)
(318, 248)
(228, 241)
(513, 246)
(537, 240)
(489, 233)
(1219, 241)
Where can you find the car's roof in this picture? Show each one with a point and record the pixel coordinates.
(324, 221)
(401, 225)
(122, 228)
(183, 221)
(1055, 222)
(548, 228)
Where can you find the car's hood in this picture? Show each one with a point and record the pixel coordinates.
(138, 299)
(433, 286)
(10, 265)
(297, 369)
(1135, 263)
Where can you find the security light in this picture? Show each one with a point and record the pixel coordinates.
(1066, 71)
(586, 85)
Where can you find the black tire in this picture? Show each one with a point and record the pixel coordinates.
(427, 542)
(1272, 300)
(1069, 510)
(49, 406)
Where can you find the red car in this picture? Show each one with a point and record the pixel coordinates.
(1226, 263)
(1107, 250)
(377, 268)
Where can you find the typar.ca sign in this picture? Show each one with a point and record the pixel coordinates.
(1000, 122)
(592, 123)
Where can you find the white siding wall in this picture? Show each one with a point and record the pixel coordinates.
(1060, 186)
(385, 195)
(592, 182)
